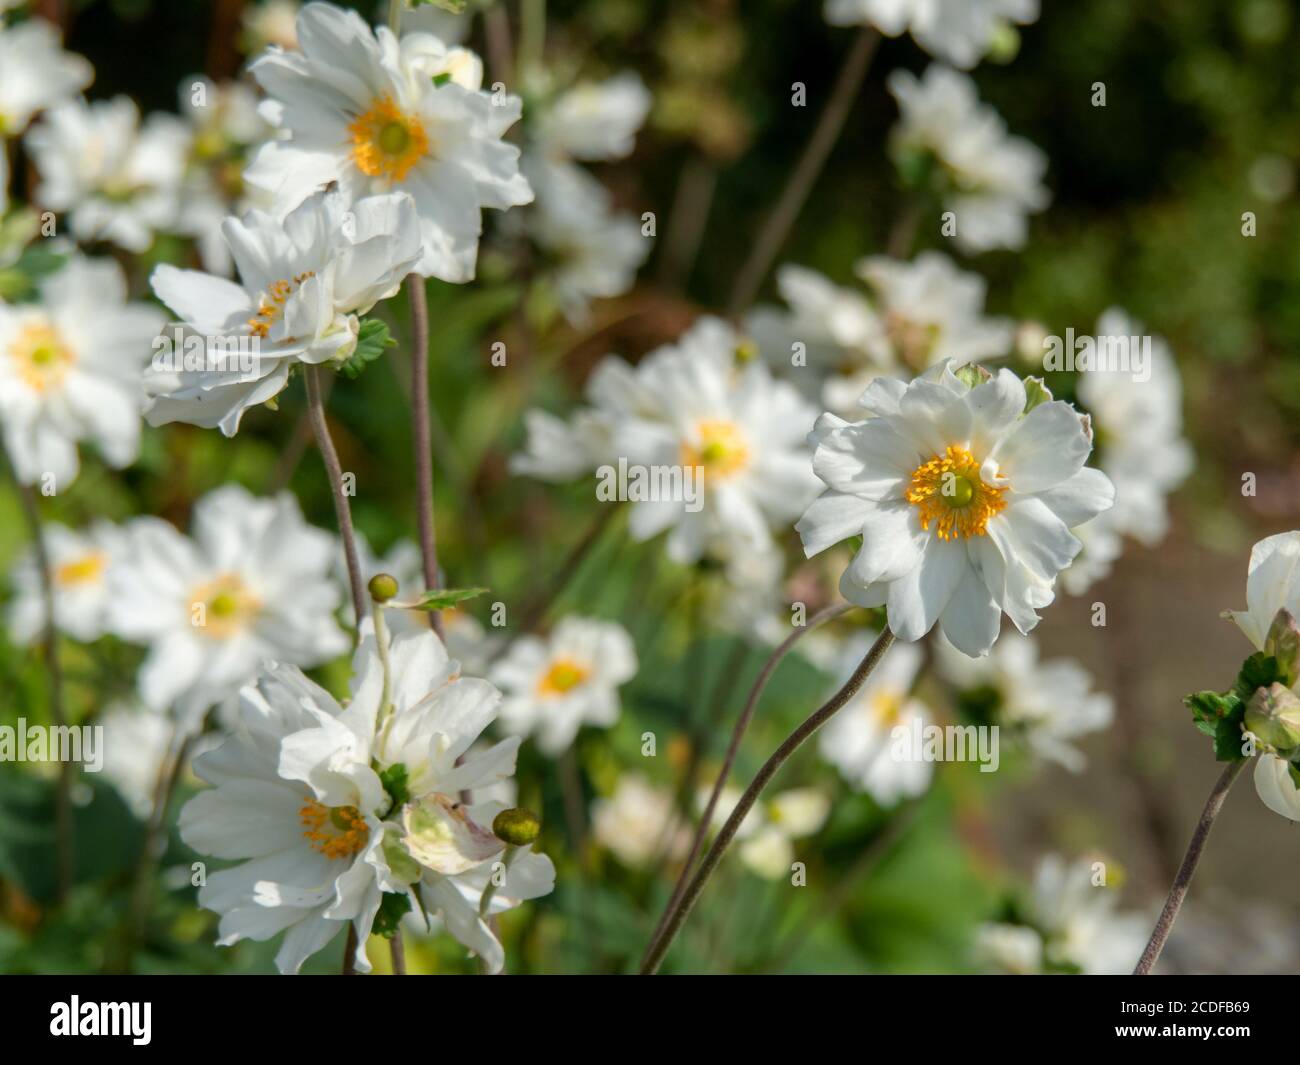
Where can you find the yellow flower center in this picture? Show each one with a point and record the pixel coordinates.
(564, 675)
(722, 449)
(227, 606)
(81, 570)
(948, 492)
(887, 708)
(386, 142)
(334, 831)
(271, 304)
(43, 359)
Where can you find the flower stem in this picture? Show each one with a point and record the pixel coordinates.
(777, 227)
(395, 15)
(342, 511)
(733, 747)
(423, 448)
(63, 828)
(490, 888)
(677, 916)
(1183, 880)
(399, 953)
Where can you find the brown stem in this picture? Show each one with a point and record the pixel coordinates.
(399, 953)
(738, 734)
(777, 227)
(423, 448)
(63, 828)
(342, 511)
(1183, 881)
(656, 951)
(350, 951)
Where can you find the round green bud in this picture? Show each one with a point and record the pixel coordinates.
(518, 827)
(382, 587)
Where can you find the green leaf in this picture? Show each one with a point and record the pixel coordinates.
(395, 782)
(1258, 671)
(372, 339)
(392, 908)
(454, 6)
(439, 80)
(1219, 715)
(446, 597)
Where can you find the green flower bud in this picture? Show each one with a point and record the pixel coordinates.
(1273, 715)
(1004, 44)
(517, 827)
(1283, 643)
(382, 587)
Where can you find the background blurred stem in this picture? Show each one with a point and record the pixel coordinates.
(738, 734)
(678, 914)
(1178, 891)
(342, 511)
(777, 227)
(63, 828)
(532, 37)
(496, 34)
(423, 450)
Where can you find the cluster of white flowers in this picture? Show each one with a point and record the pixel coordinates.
(1069, 924)
(331, 811)
(959, 31)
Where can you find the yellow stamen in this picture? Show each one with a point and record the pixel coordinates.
(81, 570)
(564, 675)
(43, 359)
(949, 492)
(271, 304)
(722, 449)
(227, 606)
(334, 831)
(386, 142)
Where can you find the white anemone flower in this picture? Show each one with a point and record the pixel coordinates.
(301, 798)
(554, 686)
(79, 565)
(1045, 704)
(376, 115)
(1138, 417)
(766, 836)
(118, 180)
(858, 740)
(1076, 925)
(304, 281)
(70, 368)
(959, 31)
(917, 314)
(995, 181)
(595, 120)
(964, 502)
(638, 823)
(36, 73)
(272, 22)
(1272, 584)
(707, 408)
(251, 583)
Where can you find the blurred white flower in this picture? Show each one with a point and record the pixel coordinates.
(70, 371)
(357, 107)
(1140, 424)
(272, 22)
(1076, 924)
(251, 584)
(1272, 584)
(303, 282)
(300, 794)
(36, 73)
(918, 314)
(637, 823)
(857, 739)
(964, 502)
(554, 686)
(993, 181)
(594, 120)
(136, 745)
(223, 125)
(707, 408)
(765, 838)
(119, 181)
(1045, 704)
(79, 564)
(959, 31)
